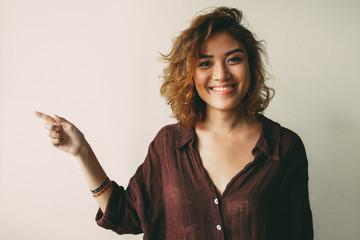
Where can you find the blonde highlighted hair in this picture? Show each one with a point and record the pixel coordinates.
(178, 86)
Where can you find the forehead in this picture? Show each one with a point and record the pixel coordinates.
(220, 42)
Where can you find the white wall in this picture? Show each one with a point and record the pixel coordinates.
(94, 62)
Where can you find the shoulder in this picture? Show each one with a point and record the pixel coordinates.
(169, 139)
(290, 143)
(166, 138)
(175, 135)
(167, 133)
(161, 146)
(283, 140)
(288, 136)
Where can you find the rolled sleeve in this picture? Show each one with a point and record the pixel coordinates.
(119, 215)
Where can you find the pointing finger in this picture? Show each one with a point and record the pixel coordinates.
(45, 117)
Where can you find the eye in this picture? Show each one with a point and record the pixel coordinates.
(205, 64)
(235, 60)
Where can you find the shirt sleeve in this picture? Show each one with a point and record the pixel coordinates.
(120, 215)
(133, 210)
(298, 222)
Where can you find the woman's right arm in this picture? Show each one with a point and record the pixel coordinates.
(66, 137)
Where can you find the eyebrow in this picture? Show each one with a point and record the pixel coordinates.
(226, 54)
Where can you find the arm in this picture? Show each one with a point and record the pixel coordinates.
(298, 214)
(66, 137)
(301, 212)
(94, 173)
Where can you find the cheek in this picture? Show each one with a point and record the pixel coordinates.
(244, 76)
(244, 71)
(200, 88)
(199, 81)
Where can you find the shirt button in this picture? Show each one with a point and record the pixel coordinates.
(216, 201)
(218, 227)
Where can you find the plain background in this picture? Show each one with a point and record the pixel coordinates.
(95, 63)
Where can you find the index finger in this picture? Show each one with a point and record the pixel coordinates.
(45, 117)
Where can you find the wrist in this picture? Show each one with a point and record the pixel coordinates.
(84, 152)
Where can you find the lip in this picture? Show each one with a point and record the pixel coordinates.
(225, 89)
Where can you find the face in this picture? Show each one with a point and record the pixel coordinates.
(222, 74)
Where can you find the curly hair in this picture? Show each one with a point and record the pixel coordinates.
(178, 87)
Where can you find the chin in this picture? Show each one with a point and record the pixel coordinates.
(223, 107)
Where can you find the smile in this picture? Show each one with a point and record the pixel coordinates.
(223, 90)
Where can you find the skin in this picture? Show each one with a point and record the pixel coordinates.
(66, 137)
(226, 137)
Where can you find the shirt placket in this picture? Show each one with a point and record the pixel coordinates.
(217, 223)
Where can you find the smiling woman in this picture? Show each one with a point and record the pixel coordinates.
(224, 171)
(184, 59)
(222, 75)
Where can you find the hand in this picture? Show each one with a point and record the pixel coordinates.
(65, 136)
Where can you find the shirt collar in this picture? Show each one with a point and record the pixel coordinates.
(268, 142)
(269, 139)
(184, 135)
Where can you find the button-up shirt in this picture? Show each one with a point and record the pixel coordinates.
(171, 196)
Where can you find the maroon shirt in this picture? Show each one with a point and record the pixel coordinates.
(172, 197)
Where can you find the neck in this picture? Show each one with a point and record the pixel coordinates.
(224, 122)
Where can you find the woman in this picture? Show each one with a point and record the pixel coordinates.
(224, 171)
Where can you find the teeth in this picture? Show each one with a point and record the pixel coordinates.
(222, 88)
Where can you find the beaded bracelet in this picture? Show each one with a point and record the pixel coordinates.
(101, 187)
(103, 190)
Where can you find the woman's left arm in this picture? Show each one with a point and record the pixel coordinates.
(298, 214)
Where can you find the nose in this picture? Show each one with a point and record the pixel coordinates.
(220, 72)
